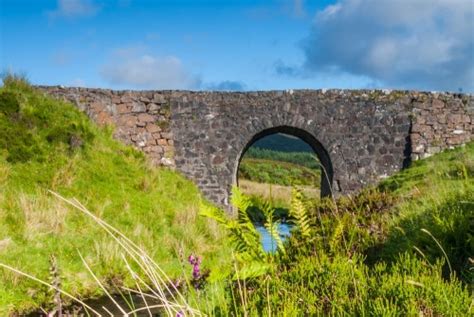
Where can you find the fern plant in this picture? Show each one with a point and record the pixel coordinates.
(272, 226)
(252, 258)
(299, 213)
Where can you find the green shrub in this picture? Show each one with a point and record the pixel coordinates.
(277, 172)
(34, 127)
(306, 159)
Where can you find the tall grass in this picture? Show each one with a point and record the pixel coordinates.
(154, 206)
(151, 282)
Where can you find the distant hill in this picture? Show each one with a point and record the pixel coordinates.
(283, 143)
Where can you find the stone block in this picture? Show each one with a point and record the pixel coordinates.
(150, 142)
(145, 117)
(152, 128)
(437, 104)
(104, 118)
(97, 106)
(419, 148)
(126, 99)
(138, 107)
(167, 135)
(454, 118)
(162, 142)
(127, 120)
(122, 108)
(153, 107)
(433, 149)
(159, 98)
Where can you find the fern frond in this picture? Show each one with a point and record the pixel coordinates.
(239, 200)
(299, 213)
(268, 211)
(214, 213)
(274, 231)
(251, 269)
(242, 232)
(245, 238)
(336, 236)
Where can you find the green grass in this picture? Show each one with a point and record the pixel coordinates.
(437, 195)
(402, 249)
(278, 172)
(306, 159)
(46, 144)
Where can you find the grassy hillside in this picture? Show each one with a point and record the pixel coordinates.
(46, 144)
(306, 159)
(436, 195)
(402, 249)
(277, 172)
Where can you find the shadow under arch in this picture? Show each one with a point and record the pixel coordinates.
(327, 172)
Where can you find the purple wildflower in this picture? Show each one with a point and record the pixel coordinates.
(180, 314)
(195, 261)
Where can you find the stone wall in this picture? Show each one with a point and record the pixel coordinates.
(140, 118)
(361, 136)
(440, 121)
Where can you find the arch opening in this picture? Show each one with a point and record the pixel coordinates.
(324, 161)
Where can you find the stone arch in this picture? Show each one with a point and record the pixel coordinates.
(327, 172)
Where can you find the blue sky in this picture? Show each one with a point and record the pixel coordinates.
(241, 45)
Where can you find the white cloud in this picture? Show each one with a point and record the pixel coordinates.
(132, 69)
(74, 8)
(421, 44)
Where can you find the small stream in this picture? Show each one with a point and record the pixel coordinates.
(268, 243)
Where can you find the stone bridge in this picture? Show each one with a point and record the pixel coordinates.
(360, 136)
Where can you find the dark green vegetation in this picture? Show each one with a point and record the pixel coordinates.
(46, 144)
(402, 249)
(306, 159)
(283, 143)
(280, 166)
(277, 166)
(278, 172)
